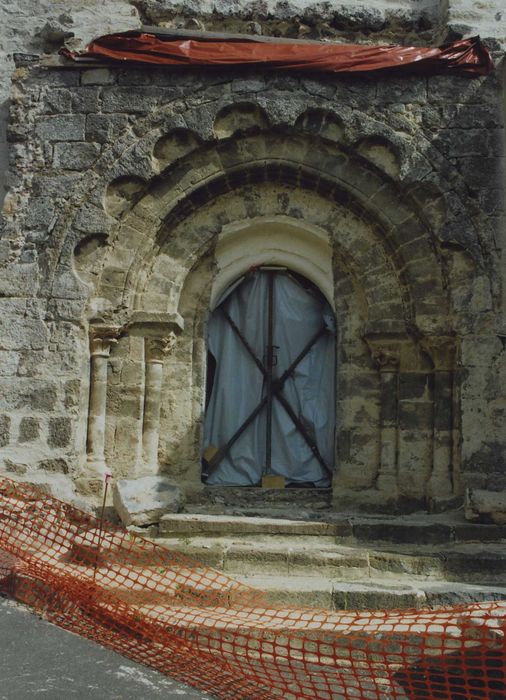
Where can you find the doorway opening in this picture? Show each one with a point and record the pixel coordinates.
(270, 394)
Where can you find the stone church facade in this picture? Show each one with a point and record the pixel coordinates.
(138, 195)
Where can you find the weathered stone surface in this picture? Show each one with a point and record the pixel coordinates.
(187, 524)
(75, 157)
(145, 500)
(175, 182)
(5, 424)
(68, 127)
(60, 431)
(488, 506)
(29, 429)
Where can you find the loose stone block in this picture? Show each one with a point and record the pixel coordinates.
(143, 501)
(488, 506)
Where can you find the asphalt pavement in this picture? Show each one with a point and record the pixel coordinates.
(41, 661)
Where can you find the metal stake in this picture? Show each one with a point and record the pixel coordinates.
(108, 477)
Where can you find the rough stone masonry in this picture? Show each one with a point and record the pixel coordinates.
(136, 195)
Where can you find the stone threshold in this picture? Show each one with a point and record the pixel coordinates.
(419, 529)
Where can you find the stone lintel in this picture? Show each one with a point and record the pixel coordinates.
(155, 325)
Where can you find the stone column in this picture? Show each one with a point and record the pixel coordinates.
(101, 341)
(387, 358)
(155, 351)
(442, 353)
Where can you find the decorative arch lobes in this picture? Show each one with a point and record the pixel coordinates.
(305, 200)
(336, 175)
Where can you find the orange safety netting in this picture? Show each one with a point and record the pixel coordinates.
(198, 625)
(467, 56)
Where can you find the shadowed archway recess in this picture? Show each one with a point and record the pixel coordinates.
(332, 217)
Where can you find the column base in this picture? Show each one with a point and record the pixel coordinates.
(439, 488)
(387, 484)
(91, 479)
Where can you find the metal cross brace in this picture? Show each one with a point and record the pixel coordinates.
(276, 389)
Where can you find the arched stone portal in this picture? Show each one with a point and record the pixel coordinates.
(248, 197)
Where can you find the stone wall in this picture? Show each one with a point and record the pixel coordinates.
(138, 193)
(39, 26)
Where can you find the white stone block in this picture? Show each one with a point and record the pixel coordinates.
(486, 505)
(143, 501)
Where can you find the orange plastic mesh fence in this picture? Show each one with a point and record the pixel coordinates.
(198, 625)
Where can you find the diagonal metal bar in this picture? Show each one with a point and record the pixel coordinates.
(214, 461)
(277, 386)
(302, 430)
(243, 340)
(302, 354)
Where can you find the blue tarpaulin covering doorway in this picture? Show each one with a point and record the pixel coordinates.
(271, 403)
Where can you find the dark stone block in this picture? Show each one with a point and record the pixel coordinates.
(29, 429)
(57, 465)
(480, 171)
(60, 431)
(58, 101)
(480, 567)
(344, 445)
(402, 90)
(85, 100)
(43, 399)
(469, 532)
(62, 78)
(403, 533)
(101, 128)
(463, 142)
(72, 389)
(5, 425)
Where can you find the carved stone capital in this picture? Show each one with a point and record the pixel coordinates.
(158, 348)
(102, 338)
(441, 350)
(385, 353)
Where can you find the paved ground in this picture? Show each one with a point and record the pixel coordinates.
(39, 660)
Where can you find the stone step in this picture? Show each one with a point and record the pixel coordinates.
(316, 556)
(425, 530)
(417, 529)
(188, 524)
(372, 595)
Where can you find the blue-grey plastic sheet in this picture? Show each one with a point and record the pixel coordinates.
(239, 385)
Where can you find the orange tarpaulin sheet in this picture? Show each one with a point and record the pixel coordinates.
(468, 56)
